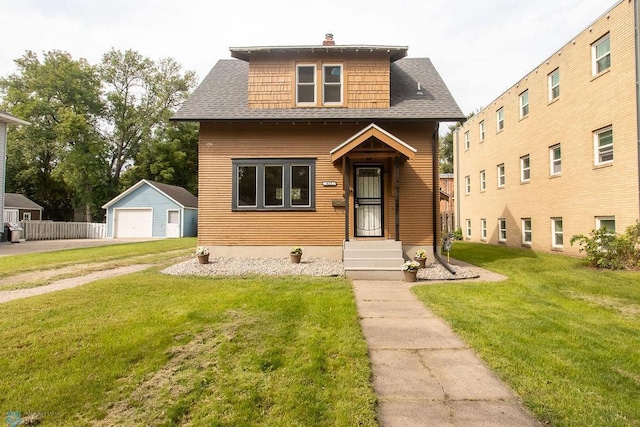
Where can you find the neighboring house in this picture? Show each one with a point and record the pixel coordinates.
(5, 120)
(557, 154)
(447, 201)
(328, 147)
(19, 208)
(152, 209)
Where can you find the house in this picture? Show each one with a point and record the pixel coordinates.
(5, 120)
(152, 209)
(330, 147)
(19, 208)
(447, 202)
(556, 155)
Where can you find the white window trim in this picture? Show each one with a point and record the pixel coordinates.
(341, 84)
(599, 220)
(315, 72)
(500, 112)
(483, 229)
(554, 233)
(524, 232)
(552, 160)
(483, 180)
(596, 145)
(500, 238)
(551, 86)
(524, 114)
(481, 125)
(468, 228)
(523, 168)
(501, 175)
(467, 142)
(595, 58)
(467, 184)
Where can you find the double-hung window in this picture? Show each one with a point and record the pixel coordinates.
(483, 229)
(524, 104)
(557, 236)
(603, 146)
(467, 184)
(481, 131)
(483, 180)
(554, 85)
(502, 230)
(555, 160)
(525, 168)
(500, 119)
(601, 53)
(467, 142)
(273, 184)
(305, 84)
(468, 229)
(501, 177)
(332, 84)
(526, 231)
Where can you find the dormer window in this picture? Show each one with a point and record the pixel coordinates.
(332, 80)
(306, 85)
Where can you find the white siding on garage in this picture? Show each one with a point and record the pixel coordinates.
(133, 223)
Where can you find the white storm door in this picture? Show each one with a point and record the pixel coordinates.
(368, 201)
(173, 223)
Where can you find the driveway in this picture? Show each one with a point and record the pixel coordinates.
(28, 247)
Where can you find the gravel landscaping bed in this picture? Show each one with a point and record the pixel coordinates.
(222, 266)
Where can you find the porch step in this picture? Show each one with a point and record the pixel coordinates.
(373, 260)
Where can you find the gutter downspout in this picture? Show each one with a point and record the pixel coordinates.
(636, 23)
(436, 196)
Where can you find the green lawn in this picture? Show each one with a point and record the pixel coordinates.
(564, 336)
(149, 349)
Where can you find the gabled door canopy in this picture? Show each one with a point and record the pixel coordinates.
(373, 131)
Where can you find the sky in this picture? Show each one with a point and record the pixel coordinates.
(479, 47)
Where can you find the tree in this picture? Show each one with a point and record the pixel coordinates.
(446, 150)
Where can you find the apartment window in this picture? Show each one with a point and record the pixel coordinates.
(467, 143)
(273, 184)
(502, 230)
(555, 160)
(524, 103)
(468, 229)
(501, 177)
(306, 84)
(603, 145)
(332, 84)
(601, 52)
(526, 231)
(483, 229)
(500, 119)
(483, 181)
(467, 184)
(608, 222)
(482, 131)
(554, 85)
(557, 236)
(525, 168)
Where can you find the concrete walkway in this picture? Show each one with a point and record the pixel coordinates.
(423, 374)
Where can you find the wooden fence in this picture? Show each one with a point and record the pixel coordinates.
(49, 230)
(447, 222)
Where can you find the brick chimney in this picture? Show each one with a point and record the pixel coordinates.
(328, 40)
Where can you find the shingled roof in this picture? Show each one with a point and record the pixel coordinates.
(180, 195)
(19, 201)
(222, 95)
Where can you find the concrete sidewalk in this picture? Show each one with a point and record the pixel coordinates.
(423, 374)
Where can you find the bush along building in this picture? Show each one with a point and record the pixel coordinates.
(556, 155)
(330, 147)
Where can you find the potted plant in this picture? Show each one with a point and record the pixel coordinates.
(410, 269)
(203, 255)
(296, 254)
(421, 258)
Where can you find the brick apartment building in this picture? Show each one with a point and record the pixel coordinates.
(557, 153)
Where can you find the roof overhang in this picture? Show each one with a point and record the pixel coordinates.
(394, 52)
(8, 118)
(134, 188)
(373, 131)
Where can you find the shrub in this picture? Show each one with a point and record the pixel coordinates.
(457, 235)
(605, 249)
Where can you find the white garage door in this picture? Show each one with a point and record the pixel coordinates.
(133, 223)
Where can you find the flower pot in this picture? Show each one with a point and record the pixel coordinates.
(203, 259)
(410, 275)
(421, 261)
(295, 258)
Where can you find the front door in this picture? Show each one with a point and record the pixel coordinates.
(368, 201)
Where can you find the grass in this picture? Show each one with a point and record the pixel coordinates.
(564, 336)
(150, 349)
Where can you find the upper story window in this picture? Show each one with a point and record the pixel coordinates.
(525, 168)
(603, 146)
(555, 160)
(483, 180)
(524, 104)
(501, 176)
(482, 131)
(467, 184)
(332, 84)
(306, 85)
(554, 85)
(500, 119)
(467, 142)
(601, 53)
(273, 184)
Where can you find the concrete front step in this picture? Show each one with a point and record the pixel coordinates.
(373, 260)
(376, 263)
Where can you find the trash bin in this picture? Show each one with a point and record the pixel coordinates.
(16, 232)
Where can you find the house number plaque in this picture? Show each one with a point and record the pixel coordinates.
(329, 183)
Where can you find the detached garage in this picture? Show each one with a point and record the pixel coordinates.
(152, 209)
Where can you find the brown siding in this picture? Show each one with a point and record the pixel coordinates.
(220, 143)
(368, 83)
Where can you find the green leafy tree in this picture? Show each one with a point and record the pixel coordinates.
(446, 150)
